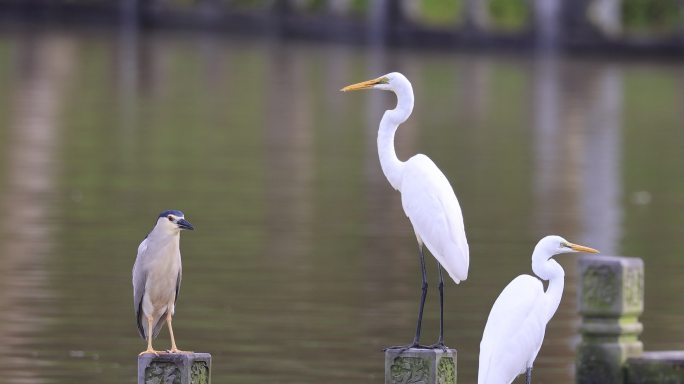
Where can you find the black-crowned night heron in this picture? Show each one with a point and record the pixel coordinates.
(157, 277)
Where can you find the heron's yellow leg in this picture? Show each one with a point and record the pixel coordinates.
(149, 338)
(173, 349)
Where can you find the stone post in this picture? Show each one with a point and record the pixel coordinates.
(476, 13)
(611, 298)
(177, 368)
(656, 367)
(546, 23)
(425, 366)
(606, 16)
(383, 18)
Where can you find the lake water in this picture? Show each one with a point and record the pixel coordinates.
(302, 266)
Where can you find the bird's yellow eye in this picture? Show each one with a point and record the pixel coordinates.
(170, 218)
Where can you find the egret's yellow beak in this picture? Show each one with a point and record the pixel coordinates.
(365, 84)
(580, 248)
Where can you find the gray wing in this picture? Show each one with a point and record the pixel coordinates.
(139, 281)
(178, 283)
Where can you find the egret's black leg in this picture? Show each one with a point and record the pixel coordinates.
(528, 376)
(440, 341)
(441, 306)
(423, 295)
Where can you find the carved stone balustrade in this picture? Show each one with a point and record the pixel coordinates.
(611, 298)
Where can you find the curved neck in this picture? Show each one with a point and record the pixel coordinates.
(553, 272)
(391, 165)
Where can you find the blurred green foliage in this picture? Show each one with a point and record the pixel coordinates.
(642, 16)
(638, 15)
(359, 6)
(509, 14)
(439, 12)
(650, 15)
(254, 4)
(504, 14)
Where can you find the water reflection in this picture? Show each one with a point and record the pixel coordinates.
(602, 186)
(578, 178)
(303, 265)
(31, 159)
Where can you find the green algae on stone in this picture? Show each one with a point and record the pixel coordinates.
(599, 287)
(410, 370)
(446, 372)
(199, 373)
(662, 367)
(162, 373)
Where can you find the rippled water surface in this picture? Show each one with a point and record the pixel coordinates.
(303, 265)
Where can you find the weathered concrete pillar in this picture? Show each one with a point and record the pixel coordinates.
(611, 298)
(411, 9)
(425, 366)
(476, 13)
(546, 23)
(656, 368)
(582, 19)
(177, 368)
(383, 18)
(606, 16)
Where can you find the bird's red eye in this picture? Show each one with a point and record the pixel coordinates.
(170, 218)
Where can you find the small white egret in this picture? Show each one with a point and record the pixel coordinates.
(426, 196)
(157, 277)
(515, 327)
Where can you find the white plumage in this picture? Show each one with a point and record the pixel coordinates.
(514, 334)
(515, 328)
(426, 195)
(431, 205)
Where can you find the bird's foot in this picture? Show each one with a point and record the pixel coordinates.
(149, 350)
(439, 345)
(404, 348)
(176, 350)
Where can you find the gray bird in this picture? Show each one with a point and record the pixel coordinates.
(157, 277)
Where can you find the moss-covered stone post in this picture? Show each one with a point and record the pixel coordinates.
(662, 367)
(174, 368)
(425, 366)
(611, 298)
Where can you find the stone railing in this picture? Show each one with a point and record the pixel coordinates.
(611, 298)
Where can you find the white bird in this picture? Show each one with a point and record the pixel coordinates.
(515, 327)
(157, 277)
(426, 196)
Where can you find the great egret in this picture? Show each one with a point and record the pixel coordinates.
(157, 277)
(515, 327)
(426, 196)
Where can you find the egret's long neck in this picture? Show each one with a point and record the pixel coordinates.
(553, 272)
(392, 167)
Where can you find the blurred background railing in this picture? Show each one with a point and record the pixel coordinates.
(600, 25)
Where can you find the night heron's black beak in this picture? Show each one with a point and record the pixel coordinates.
(184, 224)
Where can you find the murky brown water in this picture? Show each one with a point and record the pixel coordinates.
(303, 266)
